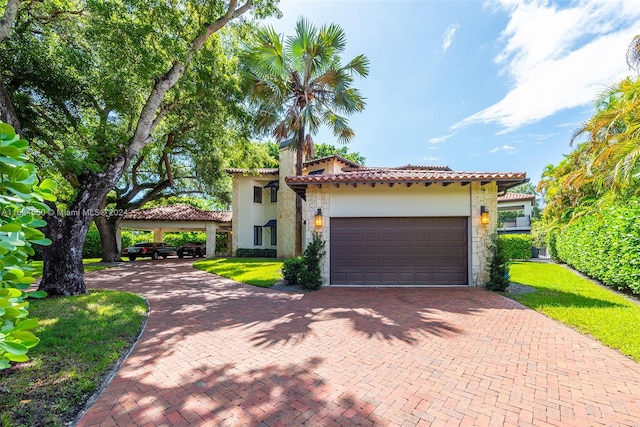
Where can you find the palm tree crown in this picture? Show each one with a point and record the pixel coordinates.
(300, 83)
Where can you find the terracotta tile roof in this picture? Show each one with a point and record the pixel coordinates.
(515, 197)
(405, 176)
(274, 171)
(406, 167)
(334, 156)
(263, 171)
(178, 212)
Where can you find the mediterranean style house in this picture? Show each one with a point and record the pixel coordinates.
(408, 225)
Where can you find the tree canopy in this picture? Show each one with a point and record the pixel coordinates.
(100, 85)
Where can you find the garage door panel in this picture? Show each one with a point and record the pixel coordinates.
(400, 251)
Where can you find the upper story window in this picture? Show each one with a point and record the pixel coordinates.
(257, 194)
(274, 194)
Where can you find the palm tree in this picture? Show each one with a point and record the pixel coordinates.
(299, 84)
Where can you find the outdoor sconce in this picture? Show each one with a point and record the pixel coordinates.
(319, 218)
(484, 215)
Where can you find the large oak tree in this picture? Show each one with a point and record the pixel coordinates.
(93, 85)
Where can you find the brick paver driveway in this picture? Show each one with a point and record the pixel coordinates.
(216, 352)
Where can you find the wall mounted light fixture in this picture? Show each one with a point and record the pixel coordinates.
(318, 221)
(484, 215)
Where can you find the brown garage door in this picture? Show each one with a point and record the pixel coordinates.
(399, 251)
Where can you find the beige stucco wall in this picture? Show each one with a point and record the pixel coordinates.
(524, 205)
(247, 213)
(417, 200)
(486, 195)
(286, 206)
(400, 200)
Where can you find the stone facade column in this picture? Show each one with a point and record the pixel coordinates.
(482, 195)
(286, 206)
(158, 235)
(319, 198)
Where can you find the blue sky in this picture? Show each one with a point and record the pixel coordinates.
(497, 85)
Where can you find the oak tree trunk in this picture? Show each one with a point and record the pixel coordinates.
(107, 228)
(63, 273)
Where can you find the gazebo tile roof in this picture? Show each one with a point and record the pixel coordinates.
(177, 212)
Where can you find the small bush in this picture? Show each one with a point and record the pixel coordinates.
(256, 253)
(310, 276)
(516, 246)
(498, 266)
(291, 269)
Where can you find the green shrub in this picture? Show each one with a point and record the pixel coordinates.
(605, 246)
(498, 266)
(256, 253)
(92, 244)
(22, 199)
(552, 240)
(310, 276)
(180, 239)
(516, 246)
(291, 269)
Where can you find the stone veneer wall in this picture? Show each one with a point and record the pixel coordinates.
(286, 206)
(318, 197)
(486, 195)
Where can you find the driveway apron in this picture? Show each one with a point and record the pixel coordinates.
(216, 352)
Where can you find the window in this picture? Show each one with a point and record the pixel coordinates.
(274, 235)
(257, 194)
(257, 235)
(274, 194)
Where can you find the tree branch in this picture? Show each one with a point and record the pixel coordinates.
(9, 18)
(149, 115)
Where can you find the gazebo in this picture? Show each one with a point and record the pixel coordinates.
(176, 218)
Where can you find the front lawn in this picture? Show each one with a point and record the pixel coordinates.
(81, 338)
(563, 295)
(263, 272)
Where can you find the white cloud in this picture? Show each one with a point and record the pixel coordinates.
(431, 159)
(558, 58)
(506, 148)
(447, 37)
(439, 139)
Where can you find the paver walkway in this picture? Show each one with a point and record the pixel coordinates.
(216, 352)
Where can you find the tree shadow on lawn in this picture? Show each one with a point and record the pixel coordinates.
(544, 296)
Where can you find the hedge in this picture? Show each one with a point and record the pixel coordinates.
(516, 246)
(604, 246)
(256, 253)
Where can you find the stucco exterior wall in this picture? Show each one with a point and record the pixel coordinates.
(524, 205)
(399, 200)
(247, 213)
(435, 200)
(482, 195)
(286, 206)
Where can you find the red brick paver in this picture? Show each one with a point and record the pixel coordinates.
(216, 352)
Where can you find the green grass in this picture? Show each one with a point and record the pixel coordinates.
(263, 272)
(87, 268)
(81, 339)
(563, 295)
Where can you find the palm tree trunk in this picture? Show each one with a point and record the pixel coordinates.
(299, 163)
